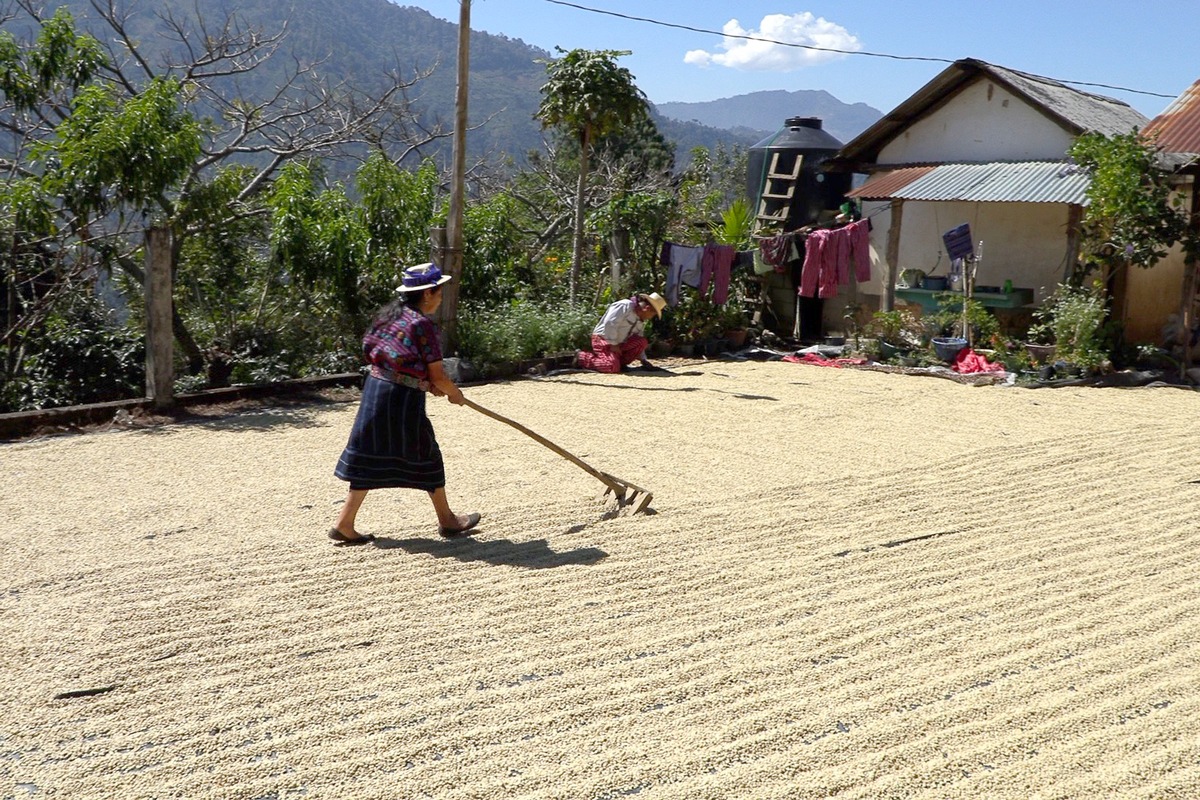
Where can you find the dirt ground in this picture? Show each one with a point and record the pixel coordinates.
(849, 584)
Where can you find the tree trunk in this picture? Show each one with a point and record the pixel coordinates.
(10, 318)
(619, 257)
(1074, 231)
(1187, 305)
(1191, 284)
(585, 144)
(183, 337)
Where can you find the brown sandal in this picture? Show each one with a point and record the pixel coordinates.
(340, 539)
(453, 533)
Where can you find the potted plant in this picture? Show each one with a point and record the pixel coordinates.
(733, 320)
(1010, 352)
(896, 332)
(661, 347)
(690, 325)
(957, 316)
(1039, 342)
(1073, 318)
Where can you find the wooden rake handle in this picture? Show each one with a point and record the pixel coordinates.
(618, 486)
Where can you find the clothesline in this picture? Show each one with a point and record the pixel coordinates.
(819, 258)
(702, 268)
(824, 257)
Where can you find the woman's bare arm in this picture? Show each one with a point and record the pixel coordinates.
(441, 384)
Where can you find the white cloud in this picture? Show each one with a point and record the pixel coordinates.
(803, 28)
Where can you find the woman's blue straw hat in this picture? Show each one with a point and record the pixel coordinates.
(420, 277)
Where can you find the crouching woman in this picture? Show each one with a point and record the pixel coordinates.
(619, 337)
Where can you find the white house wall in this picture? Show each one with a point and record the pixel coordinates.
(1022, 242)
(983, 122)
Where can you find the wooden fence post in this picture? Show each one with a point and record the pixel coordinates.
(888, 300)
(160, 337)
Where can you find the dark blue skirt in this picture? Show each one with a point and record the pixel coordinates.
(392, 445)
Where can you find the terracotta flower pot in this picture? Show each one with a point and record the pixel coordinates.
(1040, 353)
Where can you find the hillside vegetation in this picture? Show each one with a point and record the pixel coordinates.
(359, 40)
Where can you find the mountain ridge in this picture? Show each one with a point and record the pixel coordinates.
(358, 40)
(765, 112)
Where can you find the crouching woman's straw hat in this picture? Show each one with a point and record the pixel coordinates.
(656, 301)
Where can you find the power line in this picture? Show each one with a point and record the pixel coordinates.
(830, 49)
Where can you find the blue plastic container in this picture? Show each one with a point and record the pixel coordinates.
(948, 347)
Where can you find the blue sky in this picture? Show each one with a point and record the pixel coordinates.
(1146, 45)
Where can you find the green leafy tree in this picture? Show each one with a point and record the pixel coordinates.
(115, 139)
(118, 151)
(636, 218)
(495, 270)
(39, 271)
(318, 238)
(398, 207)
(1130, 219)
(590, 96)
(83, 355)
(351, 246)
(713, 180)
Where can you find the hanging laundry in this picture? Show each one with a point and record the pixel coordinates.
(860, 249)
(761, 267)
(683, 265)
(778, 250)
(715, 268)
(828, 256)
(835, 263)
(814, 256)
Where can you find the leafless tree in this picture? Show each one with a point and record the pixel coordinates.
(305, 115)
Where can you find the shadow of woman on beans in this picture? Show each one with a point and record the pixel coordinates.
(535, 554)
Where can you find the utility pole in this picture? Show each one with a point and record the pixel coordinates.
(454, 222)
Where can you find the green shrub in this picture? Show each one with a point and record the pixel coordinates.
(900, 328)
(80, 355)
(949, 319)
(1076, 319)
(521, 331)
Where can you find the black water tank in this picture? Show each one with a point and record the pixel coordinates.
(816, 191)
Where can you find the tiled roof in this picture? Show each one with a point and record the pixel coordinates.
(1089, 113)
(1075, 111)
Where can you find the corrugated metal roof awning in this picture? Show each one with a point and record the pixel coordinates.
(995, 182)
(883, 185)
(1177, 130)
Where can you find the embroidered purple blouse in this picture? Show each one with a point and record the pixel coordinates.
(406, 345)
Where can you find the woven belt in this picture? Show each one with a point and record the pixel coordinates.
(402, 379)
